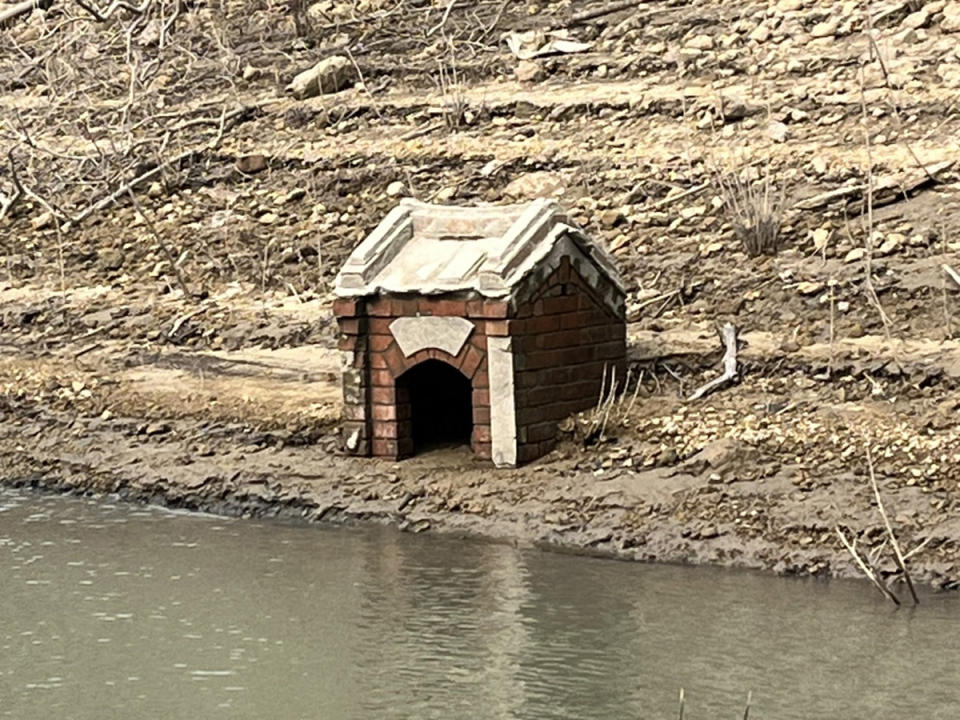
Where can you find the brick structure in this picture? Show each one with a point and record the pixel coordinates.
(481, 325)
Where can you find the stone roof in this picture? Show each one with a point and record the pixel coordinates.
(431, 249)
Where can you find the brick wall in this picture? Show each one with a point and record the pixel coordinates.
(376, 414)
(564, 339)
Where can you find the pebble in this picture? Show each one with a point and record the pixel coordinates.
(700, 42)
(760, 34)
(529, 71)
(251, 163)
(951, 17)
(916, 20)
(611, 218)
(854, 255)
(395, 188)
(825, 29)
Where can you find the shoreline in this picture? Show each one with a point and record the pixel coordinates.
(262, 485)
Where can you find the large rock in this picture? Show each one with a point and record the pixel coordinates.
(327, 76)
(951, 17)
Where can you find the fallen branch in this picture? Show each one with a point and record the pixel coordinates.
(901, 560)
(443, 20)
(586, 15)
(866, 569)
(729, 335)
(21, 8)
(671, 199)
(178, 323)
(886, 189)
(946, 268)
(113, 7)
(8, 205)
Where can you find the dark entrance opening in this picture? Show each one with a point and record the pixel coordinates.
(441, 405)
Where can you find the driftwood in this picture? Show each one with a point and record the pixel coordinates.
(886, 190)
(901, 561)
(865, 568)
(729, 335)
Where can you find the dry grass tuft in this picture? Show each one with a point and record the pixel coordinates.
(755, 208)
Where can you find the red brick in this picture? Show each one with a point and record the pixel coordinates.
(481, 433)
(481, 415)
(344, 306)
(546, 446)
(385, 429)
(452, 307)
(350, 326)
(484, 451)
(475, 308)
(526, 453)
(560, 304)
(404, 307)
(471, 361)
(496, 308)
(383, 447)
(610, 350)
(378, 361)
(380, 307)
(383, 395)
(528, 415)
(497, 328)
(561, 339)
(541, 431)
(599, 333)
(384, 412)
(380, 342)
(557, 375)
(393, 358)
(480, 378)
(525, 310)
(347, 342)
(587, 389)
(381, 378)
(481, 397)
(379, 325)
(417, 358)
(544, 324)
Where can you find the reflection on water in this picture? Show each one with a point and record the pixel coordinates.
(112, 611)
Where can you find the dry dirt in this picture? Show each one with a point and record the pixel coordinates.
(177, 345)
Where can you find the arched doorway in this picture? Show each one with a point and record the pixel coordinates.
(440, 402)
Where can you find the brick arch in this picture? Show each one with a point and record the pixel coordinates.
(391, 427)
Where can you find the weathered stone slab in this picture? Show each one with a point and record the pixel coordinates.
(421, 333)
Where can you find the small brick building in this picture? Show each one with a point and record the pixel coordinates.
(482, 325)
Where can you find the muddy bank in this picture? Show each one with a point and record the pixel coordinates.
(731, 502)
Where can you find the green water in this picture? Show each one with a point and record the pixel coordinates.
(112, 611)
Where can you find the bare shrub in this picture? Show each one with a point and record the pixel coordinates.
(755, 209)
(454, 101)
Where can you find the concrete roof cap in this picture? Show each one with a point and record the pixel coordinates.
(431, 249)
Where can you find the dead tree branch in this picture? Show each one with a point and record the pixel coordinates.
(729, 335)
(898, 555)
(10, 203)
(865, 568)
(113, 7)
(22, 8)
